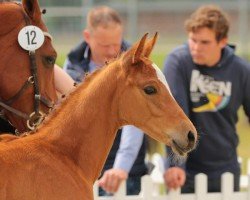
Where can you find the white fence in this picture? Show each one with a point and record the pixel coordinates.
(153, 184)
(148, 191)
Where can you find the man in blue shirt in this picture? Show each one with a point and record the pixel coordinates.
(210, 83)
(103, 42)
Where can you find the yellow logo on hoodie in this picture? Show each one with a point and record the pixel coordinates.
(208, 94)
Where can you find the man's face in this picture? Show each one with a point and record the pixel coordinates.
(204, 48)
(104, 43)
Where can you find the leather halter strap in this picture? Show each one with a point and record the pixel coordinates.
(37, 116)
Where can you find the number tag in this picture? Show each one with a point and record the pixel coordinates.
(30, 38)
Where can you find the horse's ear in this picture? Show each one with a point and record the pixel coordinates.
(135, 54)
(32, 9)
(139, 47)
(150, 45)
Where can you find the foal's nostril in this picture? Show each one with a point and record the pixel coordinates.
(191, 137)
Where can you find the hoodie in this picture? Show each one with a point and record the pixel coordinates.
(211, 97)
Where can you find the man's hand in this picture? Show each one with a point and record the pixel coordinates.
(112, 179)
(174, 177)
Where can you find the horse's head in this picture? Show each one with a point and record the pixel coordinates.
(27, 78)
(147, 94)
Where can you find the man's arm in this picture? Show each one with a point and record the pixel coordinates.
(131, 141)
(63, 82)
(174, 175)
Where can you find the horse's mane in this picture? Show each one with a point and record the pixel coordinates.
(81, 86)
(88, 78)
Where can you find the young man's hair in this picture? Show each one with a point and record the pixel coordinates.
(102, 16)
(209, 16)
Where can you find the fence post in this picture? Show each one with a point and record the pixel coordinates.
(121, 193)
(174, 194)
(146, 187)
(201, 186)
(248, 179)
(248, 186)
(227, 186)
(95, 190)
(248, 167)
(133, 12)
(243, 28)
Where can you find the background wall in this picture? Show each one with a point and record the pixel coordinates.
(66, 20)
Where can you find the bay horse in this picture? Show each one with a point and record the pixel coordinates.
(66, 155)
(27, 89)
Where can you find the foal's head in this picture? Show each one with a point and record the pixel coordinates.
(15, 64)
(147, 101)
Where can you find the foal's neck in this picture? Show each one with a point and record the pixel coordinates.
(86, 124)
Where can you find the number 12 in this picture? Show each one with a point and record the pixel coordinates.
(31, 35)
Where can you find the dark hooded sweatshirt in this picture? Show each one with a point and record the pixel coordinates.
(211, 97)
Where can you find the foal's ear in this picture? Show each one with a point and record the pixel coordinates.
(135, 54)
(32, 9)
(150, 45)
(139, 48)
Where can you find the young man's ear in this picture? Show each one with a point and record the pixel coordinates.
(223, 42)
(86, 35)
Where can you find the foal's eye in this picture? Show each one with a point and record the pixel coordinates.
(150, 90)
(50, 60)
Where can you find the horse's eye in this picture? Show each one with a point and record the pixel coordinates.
(150, 90)
(50, 60)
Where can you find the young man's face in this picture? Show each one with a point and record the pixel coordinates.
(204, 48)
(105, 43)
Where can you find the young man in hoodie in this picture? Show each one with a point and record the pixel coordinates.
(210, 83)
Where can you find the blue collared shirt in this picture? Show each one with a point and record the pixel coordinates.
(131, 141)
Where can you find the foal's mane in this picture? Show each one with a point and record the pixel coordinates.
(88, 78)
(81, 87)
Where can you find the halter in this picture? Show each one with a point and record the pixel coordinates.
(37, 116)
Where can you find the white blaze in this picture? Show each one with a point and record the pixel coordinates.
(161, 77)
